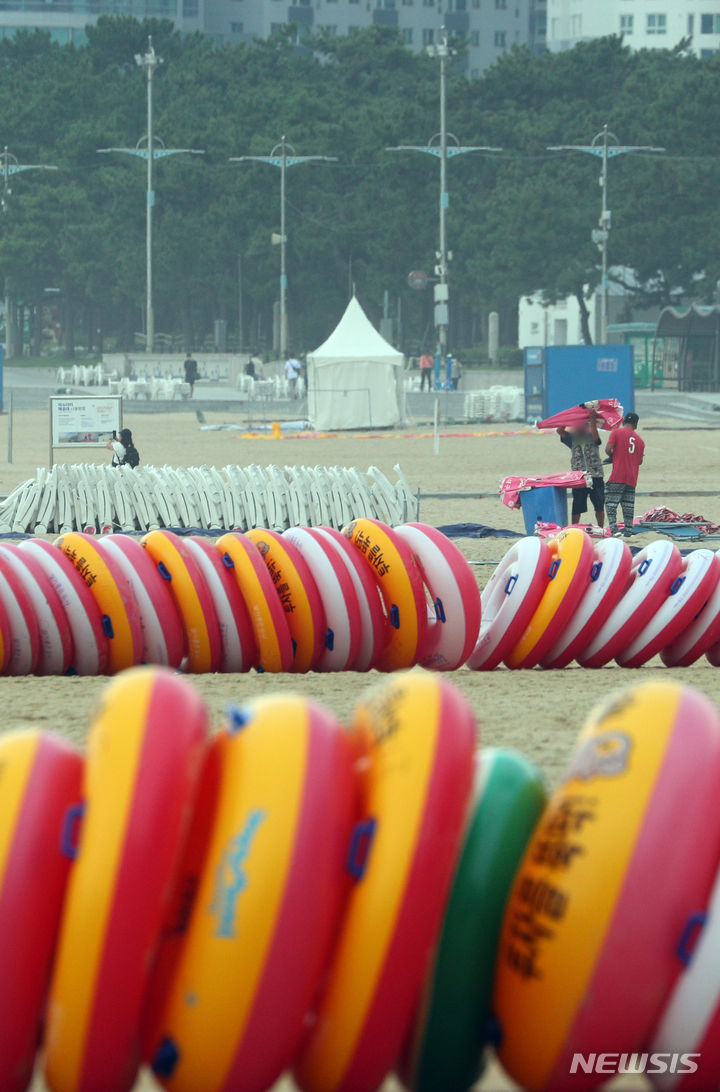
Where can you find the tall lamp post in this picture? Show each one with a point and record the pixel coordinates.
(444, 146)
(150, 148)
(283, 155)
(604, 145)
(10, 167)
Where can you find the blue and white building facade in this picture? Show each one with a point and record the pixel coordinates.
(644, 24)
(488, 27)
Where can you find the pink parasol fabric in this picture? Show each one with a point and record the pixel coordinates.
(609, 415)
(510, 488)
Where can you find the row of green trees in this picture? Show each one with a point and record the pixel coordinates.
(519, 220)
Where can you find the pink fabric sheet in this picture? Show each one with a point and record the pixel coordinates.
(511, 488)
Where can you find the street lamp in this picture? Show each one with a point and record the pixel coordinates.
(601, 146)
(11, 166)
(150, 148)
(283, 155)
(444, 146)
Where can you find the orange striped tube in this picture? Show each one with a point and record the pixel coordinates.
(144, 755)
(189, 589)
(418, 734)
(592, 937)
(296, 587)
(396, 570)
(113, 595)
(40, 782)
(260, 932)
(267, 617)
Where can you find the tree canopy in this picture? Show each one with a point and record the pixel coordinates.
(519, 220)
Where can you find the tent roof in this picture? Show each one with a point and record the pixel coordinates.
(355, 338)
(696, 320)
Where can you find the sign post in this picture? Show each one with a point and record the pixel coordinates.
(83, 420)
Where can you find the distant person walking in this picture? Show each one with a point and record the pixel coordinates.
(584, 444)
(426, 370)
(191, 371)
(626, 449)
(293, 369)
(455, 373)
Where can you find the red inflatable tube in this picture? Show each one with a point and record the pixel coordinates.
(41, 780)
(509, 601)
(688, 594)
(91, 647)
(239, 651)
(653, 571)
(375, 624)
(163, 637)
(56, 647)
(24, 629)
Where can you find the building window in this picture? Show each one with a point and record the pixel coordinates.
(475, 37)
(460, 5)
(705, 53)
(428, 36)
(330, 28)
(501, 4)
(475, 4)
(657, 24)
(575, 26)
(500, 39)
(236, 28)
(407, 35)
(275, 28)
(407, 3)
(691, 24)
(190, 9)
(428, 3)
(626, 24)
(709, 24)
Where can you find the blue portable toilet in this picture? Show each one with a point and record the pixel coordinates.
(561, 376)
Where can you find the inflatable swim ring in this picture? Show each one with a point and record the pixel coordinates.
(393, 565)
(259, 936)
(55, 651)
(189, 589)
(338, 595)
(690, 1023)
(163, 637)
(653, 571)
(267, 617)
(112, 593)
(609, 578)
(375, 627)
(238, 644)
(581, 963)
(24, 630)
(452, 1024)
(85, 621)
(144, 755)
(454, 592)
(419, 741)
(686, 596)
(698, 637)
(509, 601)
(298, 594)
(568, 578)
(40, 779)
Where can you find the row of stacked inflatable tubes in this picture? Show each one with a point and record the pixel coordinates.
(341, 903)
(368, 597)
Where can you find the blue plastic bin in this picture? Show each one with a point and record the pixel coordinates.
(547, 503)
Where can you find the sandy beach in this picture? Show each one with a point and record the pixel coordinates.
(537, 712)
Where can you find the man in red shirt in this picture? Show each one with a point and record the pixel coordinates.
(626, 449)
(427, 363)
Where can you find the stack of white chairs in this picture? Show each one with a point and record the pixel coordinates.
(98, 499)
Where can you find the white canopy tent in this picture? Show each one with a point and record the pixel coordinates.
(354, 377)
